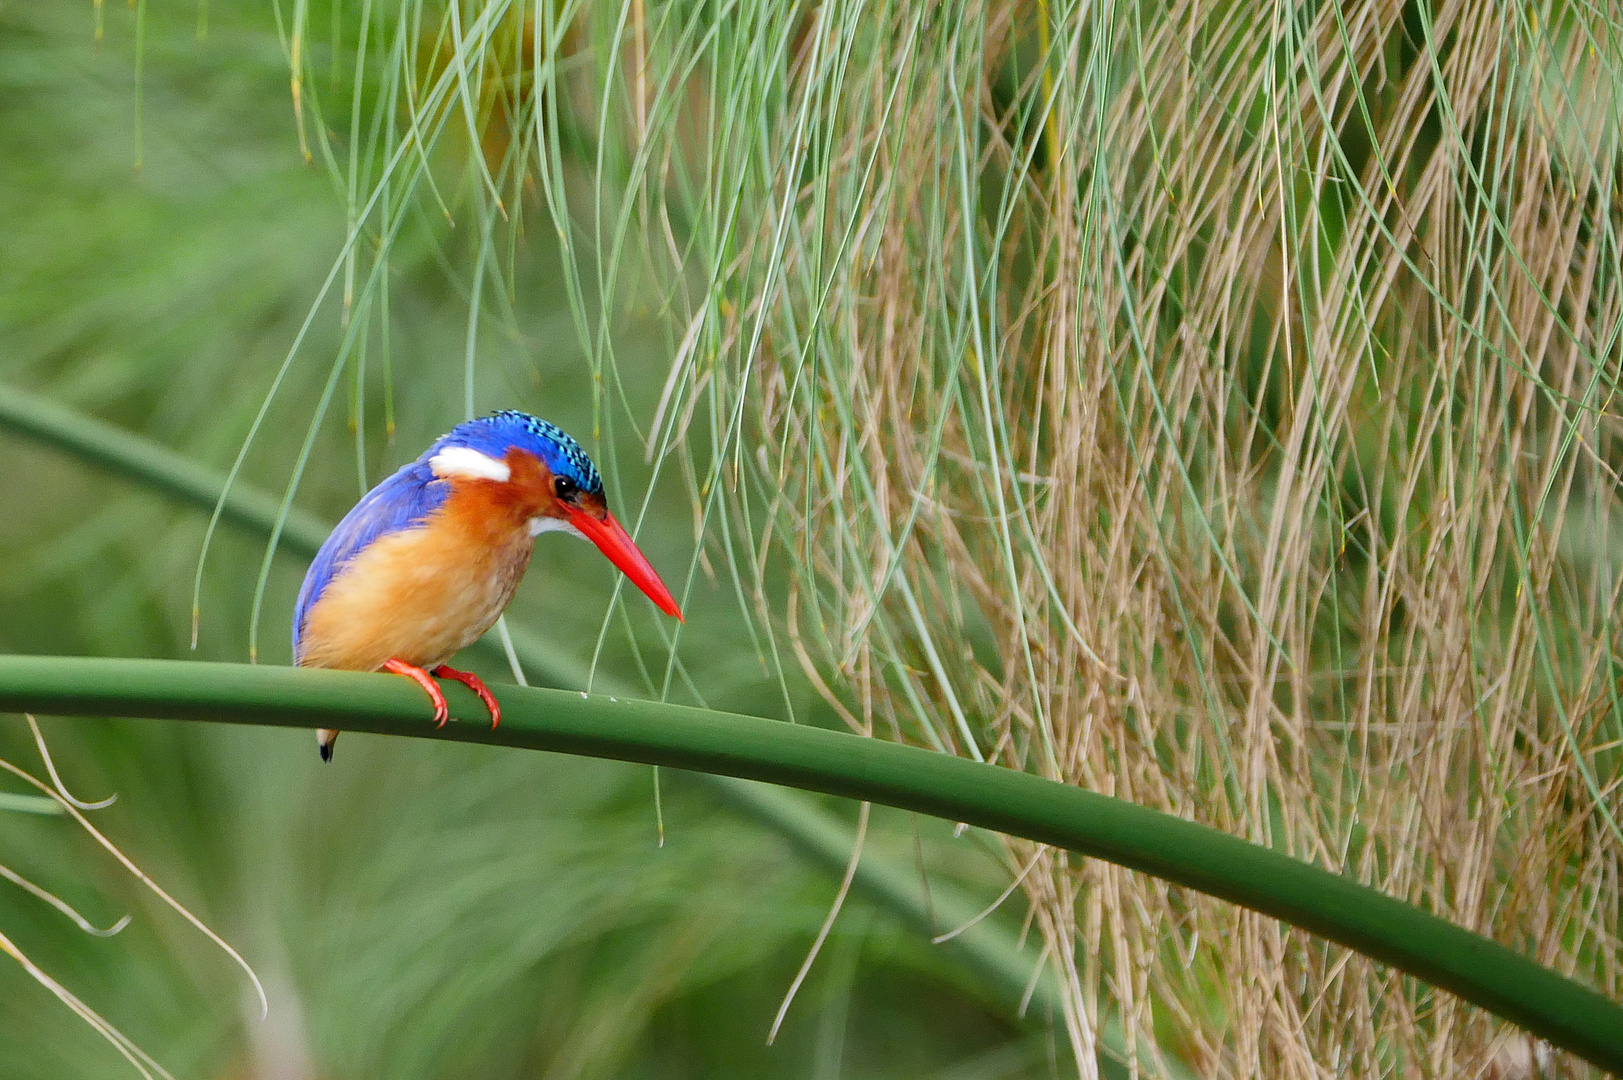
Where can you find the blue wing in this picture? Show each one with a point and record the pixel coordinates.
(405, 499)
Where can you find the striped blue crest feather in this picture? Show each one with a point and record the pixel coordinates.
(407, 498)
(499, 432)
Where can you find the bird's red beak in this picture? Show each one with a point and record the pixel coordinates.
(612, 540)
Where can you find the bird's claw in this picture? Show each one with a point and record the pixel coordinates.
(442, 710)
(477, 685)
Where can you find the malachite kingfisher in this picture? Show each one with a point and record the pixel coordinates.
(427, 560)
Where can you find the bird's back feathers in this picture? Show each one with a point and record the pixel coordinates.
(402, 501)
(418, 595)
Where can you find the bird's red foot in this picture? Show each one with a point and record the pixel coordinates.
(477, 685)
(442, 711)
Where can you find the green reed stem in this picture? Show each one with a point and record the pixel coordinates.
(1481, 971)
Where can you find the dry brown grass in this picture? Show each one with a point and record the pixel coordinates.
(1220, 416)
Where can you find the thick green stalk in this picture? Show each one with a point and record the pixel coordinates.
(1557, 1009)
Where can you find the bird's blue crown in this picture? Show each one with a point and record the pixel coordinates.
(502, 431)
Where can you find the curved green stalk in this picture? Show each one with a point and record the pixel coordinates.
(1557, 1009)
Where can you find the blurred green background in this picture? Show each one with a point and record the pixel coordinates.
(415, 910)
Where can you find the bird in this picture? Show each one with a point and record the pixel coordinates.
(428, 559)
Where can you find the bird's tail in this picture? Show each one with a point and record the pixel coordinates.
(325, 737)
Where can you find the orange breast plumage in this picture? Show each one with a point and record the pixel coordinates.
(419, 594)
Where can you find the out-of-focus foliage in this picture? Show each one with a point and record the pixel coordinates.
(415, 910)
(1212, 405)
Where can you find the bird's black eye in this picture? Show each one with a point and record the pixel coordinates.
(565, 488)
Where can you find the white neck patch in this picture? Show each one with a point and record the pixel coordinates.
(539, 525)
(466, 463)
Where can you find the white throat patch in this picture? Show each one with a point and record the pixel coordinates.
(539, 525)
(466, 463)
